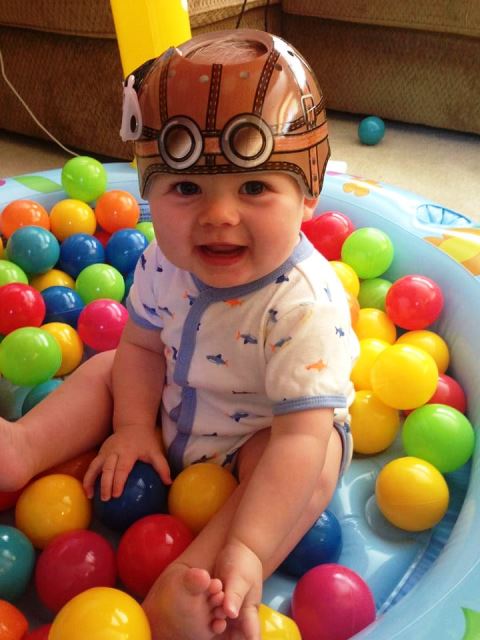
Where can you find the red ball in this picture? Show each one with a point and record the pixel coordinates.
(147, 547)
(327, 232)
(101, 322)
(414, 302)
(71, 563)
(8, 499)
(39, 634)
(332, 602)
(449, 392)
(20, 306)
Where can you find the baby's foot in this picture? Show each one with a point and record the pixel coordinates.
(185, 604)
(14, 471)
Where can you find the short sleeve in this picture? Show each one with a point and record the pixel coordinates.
(309, 354)
(142, 303)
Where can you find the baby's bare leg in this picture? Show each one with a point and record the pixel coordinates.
(73, 419)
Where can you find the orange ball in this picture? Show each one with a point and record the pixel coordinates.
(354, 306)
(13, 624)
(70, 343)
(52, 278)
(22, 213)
(117, 210)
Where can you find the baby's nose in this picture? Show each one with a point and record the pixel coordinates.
(219, 211)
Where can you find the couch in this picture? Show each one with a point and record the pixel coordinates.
(412, 61)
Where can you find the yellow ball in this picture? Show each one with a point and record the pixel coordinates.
(71, 216)
(412, 494)
(430, 342)
(52, 505)
(276, 626)
(404, 376)
(347, 277)
(198, 492)
(52, 278)
(374, 425)
(70, 345)
(101, 613)
(374, 323)
(370, 349)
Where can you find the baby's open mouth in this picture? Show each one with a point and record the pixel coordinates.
(229, 250)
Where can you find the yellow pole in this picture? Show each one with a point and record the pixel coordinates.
(146, 28)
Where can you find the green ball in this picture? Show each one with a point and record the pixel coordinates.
(440, 435)
(29, 356)
(100, 281)
(84, 178)
(11, 272)
(147, 229)
(368, 251)
(373, 292)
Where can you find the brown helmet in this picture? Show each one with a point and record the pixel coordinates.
(265, 114)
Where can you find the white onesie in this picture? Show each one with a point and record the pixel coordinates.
(238, 356)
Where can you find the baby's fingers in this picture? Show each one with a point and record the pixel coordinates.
(121, 472)
(91, 475)
(161, 466)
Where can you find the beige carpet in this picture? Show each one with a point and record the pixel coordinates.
(443, 166)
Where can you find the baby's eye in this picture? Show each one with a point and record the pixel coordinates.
(253, 188)
(187, 188)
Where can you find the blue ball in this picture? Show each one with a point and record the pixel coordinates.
(371, 130)
(62, 305)
(17, 560)
(38, 393)
(144, 494)
(128, 283)
(34, 249)
(124, 248)
(321, 544)
(78, 251)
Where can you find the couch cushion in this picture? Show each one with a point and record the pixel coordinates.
(459, 16)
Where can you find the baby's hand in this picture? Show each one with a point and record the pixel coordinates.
(241, 572)
(116, 458)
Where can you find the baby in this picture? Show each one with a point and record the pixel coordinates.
(238, 348)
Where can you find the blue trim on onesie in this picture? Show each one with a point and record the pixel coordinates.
(309, 402)
(138, 319)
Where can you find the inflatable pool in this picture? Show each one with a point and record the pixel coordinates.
(425, 585)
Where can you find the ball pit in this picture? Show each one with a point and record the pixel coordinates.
(420, 586)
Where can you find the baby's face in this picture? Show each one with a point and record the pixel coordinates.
(227, 230)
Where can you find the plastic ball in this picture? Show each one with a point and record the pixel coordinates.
(146, 227)
(147, 547)
(76, 466)
(144, 494)
(370, 348)
(198, 492)
(332, 602)
(52, 278)
(20, 306)
(430, 342)
(347, 277)
(404, 376)
(354, 308)
(128, 283)
(371, 130)
(101, 612)
(100, 281)
(17, 559)
(34, 249)
(374, 425)
(23, 213)
(449, 392)
(11, 272)
(103, 236)
(8, 499)
(373, 293)
(414, 302)
(79, 251)
(50, 506)
(71, 563)
(374, 323)
(327, 232)
(368, 251)
(62, 305)
(70, 345)
(39, 393)
(276, 626)
(125, 248)
(39, 634)
(13, 624)
(71, 216)
(412, 494)
(320, 545)
(29, 356)
(117, 210)
(84, 178)
(440, 435)
(101, 323)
